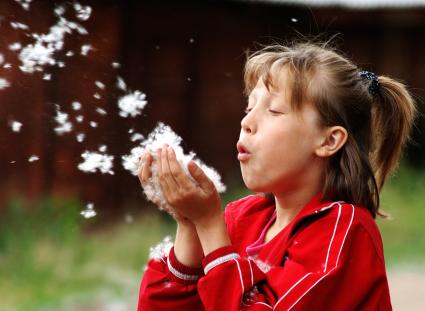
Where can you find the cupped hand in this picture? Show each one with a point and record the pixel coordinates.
(144, 175)
(195, 199)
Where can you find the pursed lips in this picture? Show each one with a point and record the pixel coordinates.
(243, 152)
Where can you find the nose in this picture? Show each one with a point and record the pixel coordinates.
(247, 123)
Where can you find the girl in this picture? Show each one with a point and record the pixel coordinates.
(320, 137)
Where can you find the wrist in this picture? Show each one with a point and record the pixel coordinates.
(212, 233)
(210, 222)
(187, 247)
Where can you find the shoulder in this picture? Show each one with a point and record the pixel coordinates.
(355, 220)
(338, 232)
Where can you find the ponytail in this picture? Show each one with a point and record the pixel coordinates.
(393, 113)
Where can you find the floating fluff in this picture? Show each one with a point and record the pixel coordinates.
(61, 118)
(24, 3)
(96, 161)
(40, 53)
(160, 136)
(82, 12)
(121, 84)
(17, 25)
(33, 158)
(85, 49)
(4, 83)
(89, 212)
(132, 104)
(161, 250)
(15, 125)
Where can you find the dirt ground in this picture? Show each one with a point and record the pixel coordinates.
(407, 288)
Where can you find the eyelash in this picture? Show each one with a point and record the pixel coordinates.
(274, 112)
(248, 110)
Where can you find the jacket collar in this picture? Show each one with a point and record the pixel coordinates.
(314, 206)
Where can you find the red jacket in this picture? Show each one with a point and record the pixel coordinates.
(330, 257)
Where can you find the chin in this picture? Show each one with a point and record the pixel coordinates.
(255, 187)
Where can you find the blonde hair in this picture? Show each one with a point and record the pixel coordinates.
(378, 125)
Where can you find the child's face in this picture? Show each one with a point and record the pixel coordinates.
(279, 143)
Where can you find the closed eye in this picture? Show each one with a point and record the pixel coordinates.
(274, 112)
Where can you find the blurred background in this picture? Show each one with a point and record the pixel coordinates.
(187, 57)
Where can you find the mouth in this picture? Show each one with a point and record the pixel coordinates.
(243, 153)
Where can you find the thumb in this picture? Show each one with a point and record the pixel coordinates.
(200, 177)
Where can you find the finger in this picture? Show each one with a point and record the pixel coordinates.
(180, 177)
(200, 177)
(146, 167)
(163, 180)
(167, 171)
(140, 165)
(140, 168)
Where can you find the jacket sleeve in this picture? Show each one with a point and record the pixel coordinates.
(167, 284)
(331, 264)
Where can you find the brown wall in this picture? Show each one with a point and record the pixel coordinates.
(195, 87)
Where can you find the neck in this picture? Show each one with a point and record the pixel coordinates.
(290, 203)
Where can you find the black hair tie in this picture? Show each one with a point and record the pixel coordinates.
(374, 84)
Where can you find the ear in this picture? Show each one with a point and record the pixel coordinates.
(333, 139)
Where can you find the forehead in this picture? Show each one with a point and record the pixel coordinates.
(274, 83)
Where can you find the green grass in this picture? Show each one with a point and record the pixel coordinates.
(48, 260)
(52, 258)
(404, 198)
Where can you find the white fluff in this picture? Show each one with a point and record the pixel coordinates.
(24, 3)
(82, 12)
(100, 85)
(121, 84)
(85, 49)
(262, 265)
(101, 111)
(96, 161)
(64, 126)
(161, 250)
(15, 125)
(132, 104)
(33, 158)
(4, 83)
(136, 137)
(15, 46)
(160, 136)
(80, 137)
(36, 55)
(76, 105)
(89, 212)
(17, 25)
